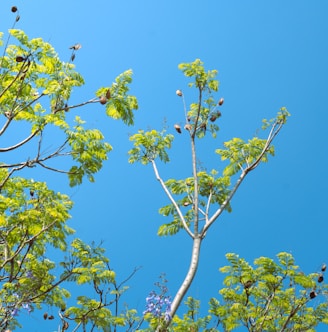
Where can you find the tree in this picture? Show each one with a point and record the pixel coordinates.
(200, 199)
(35, 91)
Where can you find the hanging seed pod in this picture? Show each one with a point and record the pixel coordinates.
(31, 193)
(76, 47)
(313, 294)
(65, 326)
(178, 93)
(248, 284)
(73, 57)
(188, 127)
(320, 278)
(323, 267)
(108, 94)
(51, 317)
(19, 58)
(215, 116)
(177, 128)
(103, 100)
(17, 18)
(203, 126)
(221, 101)
(45, 315)
(14, 9)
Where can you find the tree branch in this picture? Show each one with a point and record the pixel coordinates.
(183, 221)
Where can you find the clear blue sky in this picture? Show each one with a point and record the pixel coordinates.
(269, 54)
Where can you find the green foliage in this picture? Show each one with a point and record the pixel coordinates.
(88, 149)
(150, 145)
(241, 154)
(191, 320)
(211, 190)
(272, 296)
(203, 80)
(35, 91)
(121, 105)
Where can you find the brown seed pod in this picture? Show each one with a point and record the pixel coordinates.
(320, 278)
(65, 325)
(76, 47)
(19, 58)
(103, 100)
(177, 128)
(72, 57)
(178, 93)
(45, 315)
(14, 9)
(221, 101)
(51, 317)
(323, 267)
(248, 284)
(313, 294)
(108, 94)
(215, 116)
(188, 127)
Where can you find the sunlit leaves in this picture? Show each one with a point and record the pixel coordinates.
(149, 145)
(241, 154)
(35, 92)
(203, 79)
(271, 296)
(120, 105)
(89, 150)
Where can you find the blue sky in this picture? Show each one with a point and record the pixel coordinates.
(269, 55)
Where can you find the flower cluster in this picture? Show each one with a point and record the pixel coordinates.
(159, 305)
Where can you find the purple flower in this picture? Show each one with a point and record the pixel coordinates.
(15, 312)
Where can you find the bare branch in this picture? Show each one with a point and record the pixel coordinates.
(20, 143)
(184, 223)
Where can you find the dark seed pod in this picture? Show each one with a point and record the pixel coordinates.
(51, 317)
(320, 278)
(31, 193)
(72, 57)
(323, 267)
(75, 47)
(177, 128)
(178, 93)
(45, 315)
(188, 127)
(313, 294)
(248, 284)
(65, 326)
(215, 116)
(19, 58)
(221, 101)
(14, 9)
(103, 100)
(17, 18)
(108, 94)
